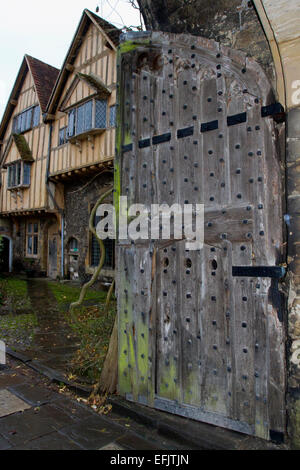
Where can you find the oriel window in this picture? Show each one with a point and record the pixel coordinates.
(87, 116)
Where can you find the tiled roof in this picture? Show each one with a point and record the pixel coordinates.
(44, 77)
(112, 32)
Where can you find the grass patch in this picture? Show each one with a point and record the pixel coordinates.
(18, 329)
(93, 327)
(65, 294)
(14, 294)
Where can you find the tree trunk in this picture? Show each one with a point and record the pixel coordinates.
(109, 375)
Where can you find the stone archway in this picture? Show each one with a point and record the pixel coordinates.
(280, 21)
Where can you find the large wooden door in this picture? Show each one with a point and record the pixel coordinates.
(201, 333)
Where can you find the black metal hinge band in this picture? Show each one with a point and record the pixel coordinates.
(209, 126)
(127, 148)
(236, 119)
(144, 143)
(160, 139)
(271, 110)
(188, 131)
(276, 272)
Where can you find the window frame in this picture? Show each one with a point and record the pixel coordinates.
(18, 169)
(74, 110)
(113, 108)
(73, 251)
(23, 115)
(65, 138)
(34, 235)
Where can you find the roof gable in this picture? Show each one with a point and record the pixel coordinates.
(44, 77)
(111, 34)
(94, 86)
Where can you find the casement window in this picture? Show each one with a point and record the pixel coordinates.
(62, 136)
(18, 175)
(109, 245)
(32, 238)
(112, 116)
(88, 116)
(26, 120)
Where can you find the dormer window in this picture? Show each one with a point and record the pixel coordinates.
(90, 116)
(26, 120)
(18, 175)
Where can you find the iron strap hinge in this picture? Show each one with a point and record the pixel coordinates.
(276, 272)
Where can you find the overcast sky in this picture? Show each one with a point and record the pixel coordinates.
(44, 29)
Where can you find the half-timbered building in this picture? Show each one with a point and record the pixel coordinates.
(57, 149)
(27, 212)
(81, 117)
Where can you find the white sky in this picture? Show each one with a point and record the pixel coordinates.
(44, 29)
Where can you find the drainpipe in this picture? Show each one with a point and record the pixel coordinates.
(62, 246)
(61, 212)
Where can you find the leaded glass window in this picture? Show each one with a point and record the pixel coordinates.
(26, 120)
(80, 119)
(18, 174)
(62, 137)
(87, 116)
(112, 116)
(36, 116)
(32, 238)
(26, 173)
(109, 249)
(100, 114)
(84, 119)
(71, 125)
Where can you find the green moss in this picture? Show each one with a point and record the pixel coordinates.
(95, 83)
(23, 147)
(128, 46)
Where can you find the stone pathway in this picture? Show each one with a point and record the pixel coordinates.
(54, 342)
(54, 421)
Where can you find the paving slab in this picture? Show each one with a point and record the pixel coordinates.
(10, 379)
(21, 428)
(74, 409)
(53, 441)
(4, 444)
(10, 403)
(33, 394)
(131, 441)
(92, 433)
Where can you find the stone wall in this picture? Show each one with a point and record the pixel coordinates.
(79, 197)
(233, 23)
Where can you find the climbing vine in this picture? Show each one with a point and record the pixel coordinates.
(97, 272)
